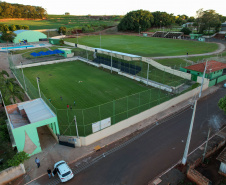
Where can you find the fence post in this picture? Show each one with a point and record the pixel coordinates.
(150, 99)
(113, 111)
(127, 105)
(139, 104)
(99, 113)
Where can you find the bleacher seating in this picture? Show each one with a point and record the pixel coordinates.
(159, 34)
(123, 66)
(175, 35)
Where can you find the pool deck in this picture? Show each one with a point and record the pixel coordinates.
(23, 47)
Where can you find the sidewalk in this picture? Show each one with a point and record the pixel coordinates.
(219, 50)
(56, 152)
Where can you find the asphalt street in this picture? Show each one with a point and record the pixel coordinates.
(156, 151)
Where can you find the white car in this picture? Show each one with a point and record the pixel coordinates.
(63, 170)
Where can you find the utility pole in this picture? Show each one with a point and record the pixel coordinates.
(100, 39)
(21, 64)
(184, 160)
(76, 127)
(203, 157)
(38, 87)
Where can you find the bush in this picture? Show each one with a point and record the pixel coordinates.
(25, 27)
(62, 30)
(4, 27)
(186, 30)
(61, 42)
(19, 27)
(18, 159)
(12, 27)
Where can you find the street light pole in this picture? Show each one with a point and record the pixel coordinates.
(184, 160)
(38, 87)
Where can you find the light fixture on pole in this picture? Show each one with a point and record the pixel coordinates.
(184, 160)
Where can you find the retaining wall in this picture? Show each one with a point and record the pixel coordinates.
(11, 173)
(197, 177)
(139, 117)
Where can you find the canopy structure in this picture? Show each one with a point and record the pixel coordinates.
(117, 54)
(43, 53)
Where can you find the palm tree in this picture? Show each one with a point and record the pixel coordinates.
(10, 88)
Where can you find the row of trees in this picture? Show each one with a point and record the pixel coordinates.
(142, 20)
(8, 10)
(5, 27)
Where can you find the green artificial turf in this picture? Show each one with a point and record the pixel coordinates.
(97, 93)
(146, 46)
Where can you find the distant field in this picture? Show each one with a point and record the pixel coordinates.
(69, 21)
(146, 46)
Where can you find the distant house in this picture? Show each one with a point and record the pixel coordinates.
(215, 72)
(222, 158)
(223, 26)
(67, 13)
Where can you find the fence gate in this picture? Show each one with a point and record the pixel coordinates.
(67, 141)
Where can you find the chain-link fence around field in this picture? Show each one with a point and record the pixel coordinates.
(116, 110)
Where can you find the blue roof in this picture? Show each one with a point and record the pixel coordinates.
(19, 31)
(118, 53)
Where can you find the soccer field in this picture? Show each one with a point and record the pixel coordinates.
(145, 46)
(97, 93)
(76, 81)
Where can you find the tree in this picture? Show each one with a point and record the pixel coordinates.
(136, 20)
(186, 30)
(19, 27)
(207, 20)
(8, 36)
(62, 30)
(12, 27)
(162, 19)
(222, 104)
(4, 28)
(10, 88)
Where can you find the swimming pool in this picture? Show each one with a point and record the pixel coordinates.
(18, 47)
(23, 47)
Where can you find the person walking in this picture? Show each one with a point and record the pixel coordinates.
(67, 106)
(37, 161)
(74, 102)
(49, 173)
(61, 98)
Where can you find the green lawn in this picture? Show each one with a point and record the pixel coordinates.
(198, 58)
(146, 46)
(172, 62)
(98, 94)
(70, 21)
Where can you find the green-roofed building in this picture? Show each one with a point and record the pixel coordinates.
(29, 36)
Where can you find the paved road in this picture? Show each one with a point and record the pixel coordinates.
(154, 152)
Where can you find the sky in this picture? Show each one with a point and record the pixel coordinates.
(121, 7)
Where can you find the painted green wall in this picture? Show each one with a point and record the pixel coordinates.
(212, 75)
(31, 130)
(212, 82)
(30, 36)
(222, 78)
(54, 41)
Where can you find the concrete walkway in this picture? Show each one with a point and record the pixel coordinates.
(219, 50)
